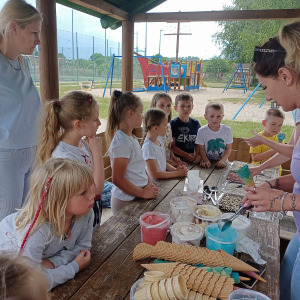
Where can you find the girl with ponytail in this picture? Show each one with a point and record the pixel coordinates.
(128, 166)
(67, 121)
(54, 229)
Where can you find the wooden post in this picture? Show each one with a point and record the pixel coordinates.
(127, 55)
(177, 42)
(49, 82)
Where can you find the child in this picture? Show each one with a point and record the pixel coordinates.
(272, 125)
(163, 101)
(155, 125)
(77, 113)
(54, 229)
(128, 166)
(184, 128)
(214, 140)
(20, 280)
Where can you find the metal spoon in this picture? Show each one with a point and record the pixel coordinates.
(207, 192)
(225, 223)
(214, 189)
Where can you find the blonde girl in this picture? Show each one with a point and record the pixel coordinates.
(163, 101)
(128, 166)
(77, 115)
(20, 25)
(54, 229)
(155, 127)
(20, 280)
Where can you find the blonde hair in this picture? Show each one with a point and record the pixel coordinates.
(274, 112)
(20, 280)
(76, 105)
(214, 105)
(152, 117)
(120, 103)
(69, 177)
(183, 97)
(19, 11)
(157, 97)
(289, 37)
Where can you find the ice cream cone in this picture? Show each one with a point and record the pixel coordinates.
(226, 289)
(153, 276)
(162, 289)
(169, 287)
(177, 270)
(179, 287)
(198, 296)
(205, 282)
(167, 268)
(192, 295)
(189, 272)
(204, 297)
(234, 263)
(193, 276)
(155, 292)
(246, 175)
(141, 294)
(211, 284)
(142, 251)
(218, 286)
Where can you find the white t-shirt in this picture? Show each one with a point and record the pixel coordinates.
(152, 151)
(297, 116)
(126, 146)
(214, 141)
(81, 154)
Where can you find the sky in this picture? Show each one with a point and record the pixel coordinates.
(199, 44)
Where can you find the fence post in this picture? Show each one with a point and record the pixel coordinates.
(72, 47)
(118, 61)
(94, 59)
(77, 56)
(106, 55)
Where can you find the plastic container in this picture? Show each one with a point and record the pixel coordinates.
(203, 220)
(245, 294)
(153, 276)
(186, 233)
(215, 239)
(154, 227)
(241, 224)
(182, 209)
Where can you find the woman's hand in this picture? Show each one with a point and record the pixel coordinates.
(256, 140)
(263, 199)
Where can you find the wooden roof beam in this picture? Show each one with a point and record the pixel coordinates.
(226, 15)
(103, 8)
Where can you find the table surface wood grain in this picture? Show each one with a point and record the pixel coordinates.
(112, 271)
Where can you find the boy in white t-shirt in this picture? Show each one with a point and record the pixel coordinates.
(214, 140)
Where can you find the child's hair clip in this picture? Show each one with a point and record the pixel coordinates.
(118, 94)
(90, 99)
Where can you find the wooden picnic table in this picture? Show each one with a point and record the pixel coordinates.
(112, 271)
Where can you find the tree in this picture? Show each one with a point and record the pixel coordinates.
(237, 39)
(217, 64)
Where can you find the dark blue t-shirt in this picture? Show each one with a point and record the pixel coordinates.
(185, 134)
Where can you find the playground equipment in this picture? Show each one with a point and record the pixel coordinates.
(237, 79)
(160, 76)
(87, 86)
(176, 75)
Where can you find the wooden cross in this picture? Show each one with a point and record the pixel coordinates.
(178, 34)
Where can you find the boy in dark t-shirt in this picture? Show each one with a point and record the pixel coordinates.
(184, 128)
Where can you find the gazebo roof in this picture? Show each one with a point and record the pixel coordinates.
(111, 12)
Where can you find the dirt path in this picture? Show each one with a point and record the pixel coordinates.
(250, 112)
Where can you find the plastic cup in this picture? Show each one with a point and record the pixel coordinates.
(215, 239)
(154, 227)
(241, 224)
(245, 294)
(193, 180)
(186, 233)
(182, 209)
(203, 220)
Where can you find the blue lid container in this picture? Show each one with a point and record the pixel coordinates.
(215, 239)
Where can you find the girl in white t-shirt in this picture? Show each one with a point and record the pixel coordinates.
(155, 126)
(128, 166)
(163, 101)
(67, 121)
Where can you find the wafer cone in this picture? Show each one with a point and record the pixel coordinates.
(189, 272)
(198, 296)
(193, 276)
(155, 292)
(153, 276)
(162, 289)
(211, 284)
(226, 289)
(205, 282)
(234, 263)
(191, 295)
(177, 270)
(142, 251)
(169, 288)
(167, 268)
(218, 286)
(179, 287)
(141, 294)
(198, 280)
